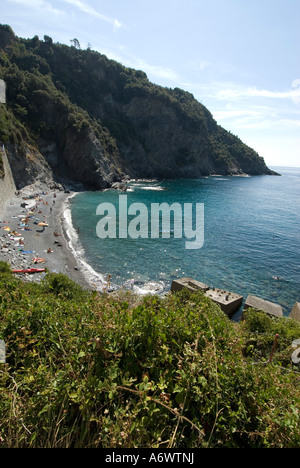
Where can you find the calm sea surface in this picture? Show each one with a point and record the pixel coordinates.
(251, 236)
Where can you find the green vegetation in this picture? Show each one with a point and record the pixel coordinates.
(101, 370)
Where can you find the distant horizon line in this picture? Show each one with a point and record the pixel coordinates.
(281, 165)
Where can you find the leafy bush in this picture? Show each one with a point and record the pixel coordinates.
(98, 370)
(5, 268)
(260, 330)
(62, 286)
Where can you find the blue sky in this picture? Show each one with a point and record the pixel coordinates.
(240, 58)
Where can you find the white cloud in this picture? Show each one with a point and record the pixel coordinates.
(128, 59)
(296, 96)
(234, 113)
(157, 71)
(259, 117)
(117, 24)
(197, 65)
(252, 113)
(231, 92)
(93, 12)
(296, 83)
(40, 5)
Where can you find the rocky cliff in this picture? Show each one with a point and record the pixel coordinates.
(74, 115)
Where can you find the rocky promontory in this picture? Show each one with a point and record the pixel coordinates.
(75, 116)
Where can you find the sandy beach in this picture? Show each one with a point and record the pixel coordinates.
(22, 239)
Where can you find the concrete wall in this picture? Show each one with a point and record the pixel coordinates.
(7, 186)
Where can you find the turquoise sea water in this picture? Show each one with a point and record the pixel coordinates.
(251, 236)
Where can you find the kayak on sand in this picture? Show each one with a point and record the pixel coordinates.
(30, 270)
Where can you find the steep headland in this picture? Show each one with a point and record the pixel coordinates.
(74, 115)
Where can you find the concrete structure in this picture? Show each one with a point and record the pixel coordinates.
(265, 306)
(7, 184)
(296, 357)
(189, 283)
(2, 92)
(295, 314)
(2, 352)
(296, 343)
(228, 301)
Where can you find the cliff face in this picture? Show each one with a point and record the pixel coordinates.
(172, 144)
(74, 147)
(75, 115)
(165, 146)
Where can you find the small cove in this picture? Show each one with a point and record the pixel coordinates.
(251, 236)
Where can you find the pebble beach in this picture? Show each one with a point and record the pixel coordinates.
(34, 235)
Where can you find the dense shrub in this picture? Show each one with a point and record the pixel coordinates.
(98, 370)
(61, 286)
(4, 268)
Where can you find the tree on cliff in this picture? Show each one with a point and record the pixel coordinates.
(75, 43)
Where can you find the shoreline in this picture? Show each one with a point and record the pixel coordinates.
(93, 279)
(52, 206)
(21, 244)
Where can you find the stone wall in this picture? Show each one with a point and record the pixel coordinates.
(7, 185)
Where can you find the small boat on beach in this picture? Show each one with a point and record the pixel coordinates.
(30, 271)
